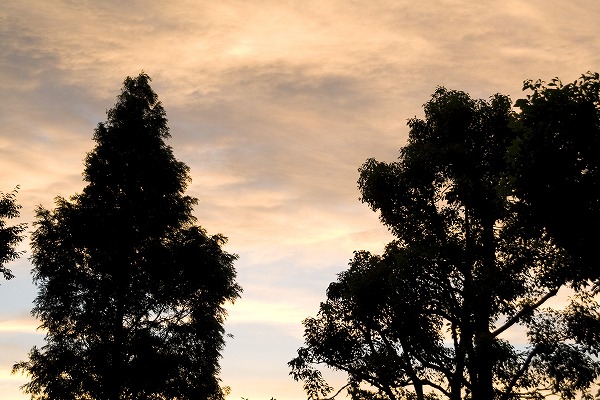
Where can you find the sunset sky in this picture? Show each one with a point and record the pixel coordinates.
(274, 105)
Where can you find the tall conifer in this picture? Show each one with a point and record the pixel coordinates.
(131, 291)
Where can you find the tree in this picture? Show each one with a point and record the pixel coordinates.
(10, 236)
(556, 168)
(131, 291)
(429, 318)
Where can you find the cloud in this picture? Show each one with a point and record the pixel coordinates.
(23, 325)
(253, 311)
(273, 105)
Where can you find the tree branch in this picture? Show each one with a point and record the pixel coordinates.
(519, 373)
(433, 385)
(336, 393)
(527, 309)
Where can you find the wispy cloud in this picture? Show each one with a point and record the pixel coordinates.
(23, 325)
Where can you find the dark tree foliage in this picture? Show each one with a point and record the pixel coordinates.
(432, 316)
(131, 291)
(10, 236)
(556, 166)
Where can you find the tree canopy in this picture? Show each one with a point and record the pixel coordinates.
(432, 317)
(556, 165)
(131, 290)
(10, 236)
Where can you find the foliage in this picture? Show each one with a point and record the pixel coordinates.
(244, 398)
(427, 319)
(10, 236)
(556, 167)
(131, 291)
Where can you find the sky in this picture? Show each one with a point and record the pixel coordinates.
(274, 105)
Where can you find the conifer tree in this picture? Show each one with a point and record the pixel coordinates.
(131, 290)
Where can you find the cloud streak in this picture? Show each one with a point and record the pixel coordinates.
(25, 325)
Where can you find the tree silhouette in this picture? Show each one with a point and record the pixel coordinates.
(556, 166)
(10, 236)
(429, 317)
(131, 291)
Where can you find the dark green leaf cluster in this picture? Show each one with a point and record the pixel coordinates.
(10, 236)
(427, 318)
(131, 292)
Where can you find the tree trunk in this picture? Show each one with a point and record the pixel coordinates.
(485, 358)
